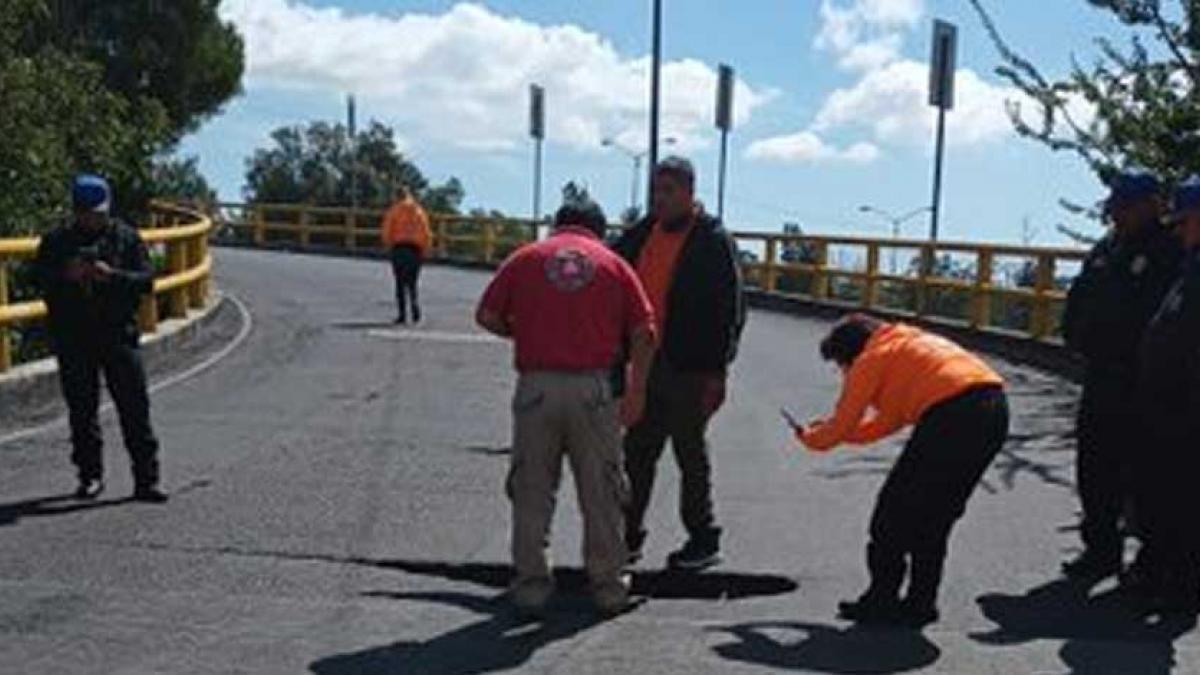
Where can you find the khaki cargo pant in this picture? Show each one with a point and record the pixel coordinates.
(572, 414)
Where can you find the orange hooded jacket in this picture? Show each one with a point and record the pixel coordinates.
(406, 224)
(901, 373)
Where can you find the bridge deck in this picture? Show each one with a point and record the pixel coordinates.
(338, 509)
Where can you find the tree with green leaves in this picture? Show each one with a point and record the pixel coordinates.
(1136, 105)
(313, 164)
(114, 85)
(180, 179)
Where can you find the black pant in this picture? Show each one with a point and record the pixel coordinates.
(1166, 498)
(675, 411)
(80, 367)
(1108, 431)
(927, 492)
(406, 267)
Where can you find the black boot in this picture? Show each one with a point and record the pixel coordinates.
(919, 607)
(881, 602)
(1093, 565)
(700, 552)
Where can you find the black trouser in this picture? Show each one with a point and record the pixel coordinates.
(406, 267)
(1167, 505)
(674, 411)
(80, 367)
(1109, 428)
(927, 492)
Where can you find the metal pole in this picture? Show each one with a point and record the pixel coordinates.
(721, 176)
(351, 128)
(937, 175)
(537, 180)
(655, 71)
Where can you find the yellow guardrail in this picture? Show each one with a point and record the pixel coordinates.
(181, 231)
(973, 296)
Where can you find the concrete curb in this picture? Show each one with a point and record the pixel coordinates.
(34, 386)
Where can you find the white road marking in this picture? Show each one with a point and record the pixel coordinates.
(433, 336)
(172, 380)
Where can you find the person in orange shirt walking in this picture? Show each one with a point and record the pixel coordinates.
(907, 376)
(407, 237)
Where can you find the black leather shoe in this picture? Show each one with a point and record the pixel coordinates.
(150, 495)
(89, 489)
(916, 614)
(869, 610)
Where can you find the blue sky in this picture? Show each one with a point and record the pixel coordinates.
(829, 100)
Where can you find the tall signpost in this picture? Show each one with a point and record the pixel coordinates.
(941, 96)
(724, 123)
(537, 130)
(655, 89)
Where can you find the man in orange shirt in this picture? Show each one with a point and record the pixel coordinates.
(406, 236)
(906, 376)
(688, 264)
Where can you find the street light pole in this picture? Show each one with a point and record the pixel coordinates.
(637, 157)
(896, 222)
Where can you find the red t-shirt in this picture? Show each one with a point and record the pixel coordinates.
(570, 303)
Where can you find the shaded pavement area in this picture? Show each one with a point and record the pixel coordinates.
(338, 508)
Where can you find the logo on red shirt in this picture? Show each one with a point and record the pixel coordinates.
(570, 270)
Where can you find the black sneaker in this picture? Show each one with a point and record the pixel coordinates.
(401, 321)
(89, 489)
(634, 544)
(416, 315)
(696, 555)
(150, 495)
(870, 610)
(1091, 566)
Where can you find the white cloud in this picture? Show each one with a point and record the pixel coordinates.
(462, 77)
(807, 147)
(887, 104)
(866, 34)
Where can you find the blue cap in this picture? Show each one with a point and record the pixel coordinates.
(91, 193)
(1186, 199)
(1130, 186)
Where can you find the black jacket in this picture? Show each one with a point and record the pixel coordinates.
(1121, 286)
(1169, 373)
(706, 308)
(100, 311)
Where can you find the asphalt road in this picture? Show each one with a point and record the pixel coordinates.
(338, 509)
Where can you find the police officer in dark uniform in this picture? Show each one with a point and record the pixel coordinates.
(1169, 393)
(1122, 285)
(93, 274)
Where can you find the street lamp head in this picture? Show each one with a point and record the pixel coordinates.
(607, 142)
(865, 209)
(670, 140)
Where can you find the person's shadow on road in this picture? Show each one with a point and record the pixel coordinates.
(1100, 634)
(855, 650)
(57, 505)
(502, 640)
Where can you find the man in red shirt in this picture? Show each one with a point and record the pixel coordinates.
(569, 304)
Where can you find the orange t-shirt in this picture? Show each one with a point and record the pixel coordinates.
(902, 373)
(407, 224)
(656, 268)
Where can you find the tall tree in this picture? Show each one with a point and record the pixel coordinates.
(81, 92)
(314, 165)
(1137, 105)
(177, 178)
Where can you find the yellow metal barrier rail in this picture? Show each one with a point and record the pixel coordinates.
(953, 282)
(186, 282)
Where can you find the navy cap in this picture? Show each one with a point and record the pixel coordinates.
(1186, 199)
(1130, 186)
(91, 193)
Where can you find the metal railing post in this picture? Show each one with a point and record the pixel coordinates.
(489, 241)
(1041, 302)
(351, 227)
(260, 226)
(443, 246)
(871, 289)
(5, 343)
(924, 273)
(771, 280)
(981, 308)
(305, 232)
(177, 299)
(821, 283)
